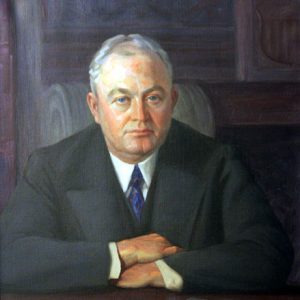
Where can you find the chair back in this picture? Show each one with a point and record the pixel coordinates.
(65, 111)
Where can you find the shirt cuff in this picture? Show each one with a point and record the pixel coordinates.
(115, 266)
(173, 281)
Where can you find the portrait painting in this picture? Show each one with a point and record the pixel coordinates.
(233, 73)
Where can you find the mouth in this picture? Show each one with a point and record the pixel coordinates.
(140, 132)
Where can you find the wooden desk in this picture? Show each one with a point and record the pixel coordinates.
(156, 294)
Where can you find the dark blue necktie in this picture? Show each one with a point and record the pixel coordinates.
(135, 196)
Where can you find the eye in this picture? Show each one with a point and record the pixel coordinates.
(153, 98)
(121, 100)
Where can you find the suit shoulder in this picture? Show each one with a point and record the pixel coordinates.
(193, 148)
(190, 139)
(74, 140)
(66, 149)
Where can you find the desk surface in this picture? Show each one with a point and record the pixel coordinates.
(157, 294)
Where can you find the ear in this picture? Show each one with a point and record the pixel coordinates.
(93, 104)
(174, 96)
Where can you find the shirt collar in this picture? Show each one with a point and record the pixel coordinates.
(124, 170)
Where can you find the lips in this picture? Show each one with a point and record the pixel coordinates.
(140, 132)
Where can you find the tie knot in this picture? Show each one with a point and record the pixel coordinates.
(137, 176)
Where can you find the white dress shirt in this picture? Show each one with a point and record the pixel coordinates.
(173, 281)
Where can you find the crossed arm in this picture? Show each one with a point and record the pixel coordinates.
(138, 256)
(254, 255)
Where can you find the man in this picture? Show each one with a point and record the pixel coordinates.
(138, 199)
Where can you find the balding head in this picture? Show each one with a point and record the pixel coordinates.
(126, 46)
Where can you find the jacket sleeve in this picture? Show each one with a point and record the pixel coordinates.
(255, 253)
(35, 256)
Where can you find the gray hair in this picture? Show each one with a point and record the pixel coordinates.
(108, 46)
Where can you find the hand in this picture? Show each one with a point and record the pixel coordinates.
(145, 249)
(141, 275)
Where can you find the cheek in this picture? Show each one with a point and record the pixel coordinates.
(162, 116)
(112, 118)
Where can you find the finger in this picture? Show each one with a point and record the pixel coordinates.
(122, 284)
(171, 250)
(179, 249)
(149, 236)
(133, 283)
(161, 238)
(125, 285)
(153, 236)
(157, 237)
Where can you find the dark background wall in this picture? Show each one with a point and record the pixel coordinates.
(7, 106)
(245, 54)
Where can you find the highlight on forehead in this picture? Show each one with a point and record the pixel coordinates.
(145, 60)
(129, 49)
(145, 65)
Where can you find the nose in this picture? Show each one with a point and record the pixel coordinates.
(139, 111)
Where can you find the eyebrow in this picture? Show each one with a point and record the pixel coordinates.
(127, 92)
(118, 90)
(154, 88)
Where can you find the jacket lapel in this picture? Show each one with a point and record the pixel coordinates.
(99, 206)
(177, 200)
(179, 193)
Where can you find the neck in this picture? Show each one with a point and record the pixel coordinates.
(132, 158)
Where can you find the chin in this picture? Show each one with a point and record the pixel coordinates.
(143, 148)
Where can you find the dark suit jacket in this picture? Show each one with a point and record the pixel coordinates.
(69, 206)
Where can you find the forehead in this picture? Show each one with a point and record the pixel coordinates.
(133, 59)
(131, 68)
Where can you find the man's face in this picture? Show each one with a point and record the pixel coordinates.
(134, 104)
